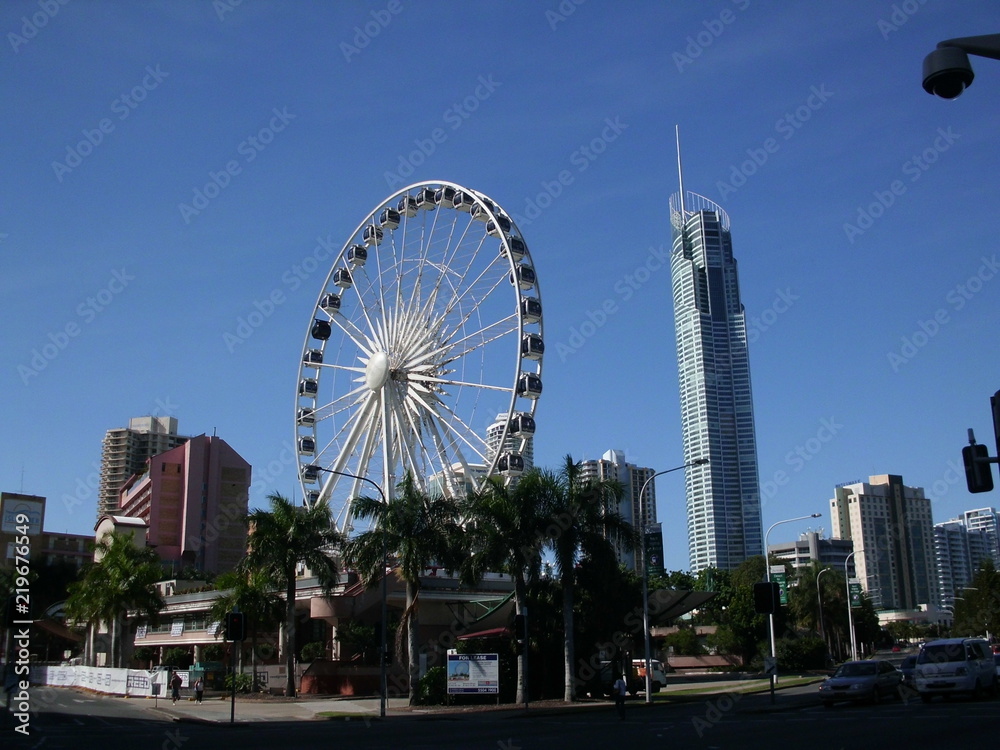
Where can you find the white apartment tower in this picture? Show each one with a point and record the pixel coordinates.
(124, 453)
(986, 520)
(893, 534)
(613, 466)
(958, 552)
(717, 420)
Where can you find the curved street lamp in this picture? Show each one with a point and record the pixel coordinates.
(767, 571)
(645, 566)
(850, 613)
(383, 685)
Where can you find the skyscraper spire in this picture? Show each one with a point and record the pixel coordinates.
(680, 172)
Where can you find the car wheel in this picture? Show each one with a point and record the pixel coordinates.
(979, 693)
(876, 696)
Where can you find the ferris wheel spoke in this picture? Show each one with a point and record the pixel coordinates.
(353, 333)
(445, 381)
(435, 409)
(339, 404)
(453, 351)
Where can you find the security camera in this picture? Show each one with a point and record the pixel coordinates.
(947, 72)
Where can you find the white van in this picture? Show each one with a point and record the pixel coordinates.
(955, 665)
(657, 677)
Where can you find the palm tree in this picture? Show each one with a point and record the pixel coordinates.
(279, 540)
(417, 530)
(251, 592)
(506, 526)
(120, 580)
(586, 522)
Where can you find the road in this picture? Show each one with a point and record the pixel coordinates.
(67, 719)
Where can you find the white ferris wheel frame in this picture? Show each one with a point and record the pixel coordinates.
(392, 432)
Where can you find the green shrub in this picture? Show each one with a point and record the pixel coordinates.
(432, 690)
(243, 682)
(795, 654)
(313, 651)
(177, 657)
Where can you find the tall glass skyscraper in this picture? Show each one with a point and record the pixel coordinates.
(723, 496)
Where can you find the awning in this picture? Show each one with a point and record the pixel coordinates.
(57, 628)
(666, 605)
(491, 633)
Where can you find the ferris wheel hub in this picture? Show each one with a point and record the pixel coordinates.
(377, 371)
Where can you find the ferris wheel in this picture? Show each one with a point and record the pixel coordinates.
(423, 353)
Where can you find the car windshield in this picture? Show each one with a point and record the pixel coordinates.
(942, 652)
(856, 669)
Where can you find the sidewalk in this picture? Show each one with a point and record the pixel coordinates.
(218, 709)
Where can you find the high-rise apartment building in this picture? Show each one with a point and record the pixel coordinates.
(717, 421)
(958, 552)
(893, 534)
(524, 445)
(194, 500)
(986, 520)
(638, 511)
(124, 453)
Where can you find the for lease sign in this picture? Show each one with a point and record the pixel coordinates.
(473, 673)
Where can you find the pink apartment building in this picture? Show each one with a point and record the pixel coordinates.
(194, 500)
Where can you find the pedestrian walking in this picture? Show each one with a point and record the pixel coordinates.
(199, 689)
(619, 690)
(175, 687)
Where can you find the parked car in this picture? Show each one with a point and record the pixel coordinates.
(996, 659)
(952, 666)
(870, 680)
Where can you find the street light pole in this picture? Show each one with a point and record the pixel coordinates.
(767, 571)
(819, 600)
(850, 612)
(645, 568)
(383, 684)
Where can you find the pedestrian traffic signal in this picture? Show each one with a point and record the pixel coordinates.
(978, 474)
(766, 597)
(235, 629)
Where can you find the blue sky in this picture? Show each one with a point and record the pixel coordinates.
(863, 218)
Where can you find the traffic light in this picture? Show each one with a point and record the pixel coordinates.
(766, 597)
(978, 474)
(519, 629)
(236, 629)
